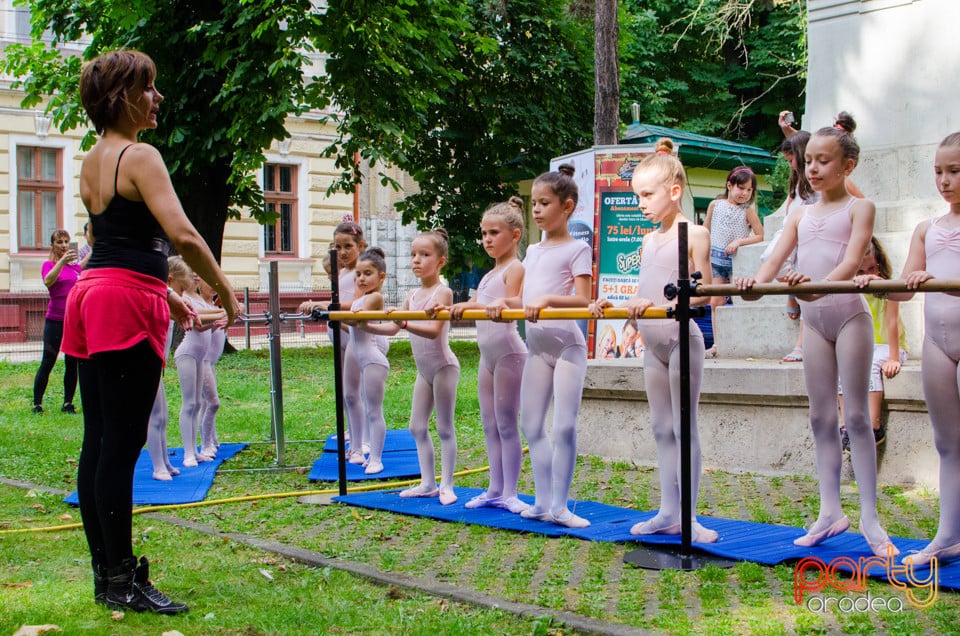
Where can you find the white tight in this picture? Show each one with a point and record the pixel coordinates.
(351, 396)
(189, 370)
(560, 378)
(848, 358)
(157, 433)
(442, 395)
(661, 372)
(209, 405)
(941, 389)
(499, 407)
(365, 407)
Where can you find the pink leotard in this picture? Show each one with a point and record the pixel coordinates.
(942, 311)
(659, 265)
(496, 339)
(551, 270)
(821, 244)
(430, 354)
(348, 288)
(195, 343)
(363, 344)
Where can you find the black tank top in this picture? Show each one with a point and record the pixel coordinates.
(128, 236)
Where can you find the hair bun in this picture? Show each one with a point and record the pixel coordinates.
(567, 169)
(375, 250)
(845, 121)
(516, 202)
(664, 145)
(439, 231)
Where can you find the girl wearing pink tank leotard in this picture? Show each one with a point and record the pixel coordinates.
(368, 367)
(935, 253)
(659, 182)
(831, 237)
(349, 243)
(438, 371)
(558, 274)
(502, 357)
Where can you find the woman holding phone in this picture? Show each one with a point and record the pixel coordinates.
(60, 273)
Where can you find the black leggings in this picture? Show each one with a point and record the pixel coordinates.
(52, 336)
(117, 388)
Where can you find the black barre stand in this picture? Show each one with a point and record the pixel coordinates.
(669, 557)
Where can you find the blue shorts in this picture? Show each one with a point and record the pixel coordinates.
(721, 264)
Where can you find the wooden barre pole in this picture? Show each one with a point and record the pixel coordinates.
(827, 287)
(507, 314)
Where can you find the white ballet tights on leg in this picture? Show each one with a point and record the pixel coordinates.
(941, 389)
(499, 410)
(373, 388)
(442, 395)
(553, 464)
(209, 406)
(163, 470)
(191, 384)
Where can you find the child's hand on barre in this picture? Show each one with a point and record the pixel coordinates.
(744, 284)
(913, 279)
(636, 306)
(496, 308)
(596, 307)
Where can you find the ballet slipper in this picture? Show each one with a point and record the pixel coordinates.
(162, 475)
(373, 468)
(209, 451)
(701, 534)
(570, 520)
(201, 458)
(356, 457)
(447, 496)
(813, 538)
(484, 499)
(883, 548)
(532, 514)
(923, 557)
(513, 504)
(650, 526)
(190, 462)
(420, 491)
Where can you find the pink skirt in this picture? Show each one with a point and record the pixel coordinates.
(111, 309)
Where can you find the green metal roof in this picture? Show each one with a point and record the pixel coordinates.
(700, 151)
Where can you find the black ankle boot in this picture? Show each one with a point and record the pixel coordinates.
(130, 588)
(99, 584)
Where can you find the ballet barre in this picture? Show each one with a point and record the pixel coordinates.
(480, 314)
(826, 287)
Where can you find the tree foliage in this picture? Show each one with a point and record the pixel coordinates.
(231, 72)
(714, 67)
(514, 91)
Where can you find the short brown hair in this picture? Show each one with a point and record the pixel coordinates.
(106, 83)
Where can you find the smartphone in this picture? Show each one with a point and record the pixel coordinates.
(73, 246)
(789, 118)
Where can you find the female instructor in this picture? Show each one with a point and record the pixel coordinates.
(117, 313)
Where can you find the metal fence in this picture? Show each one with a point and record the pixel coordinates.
(22, 317)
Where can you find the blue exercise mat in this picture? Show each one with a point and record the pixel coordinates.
(740, 540)
(401, 440)
(189, 486)
(396, 464)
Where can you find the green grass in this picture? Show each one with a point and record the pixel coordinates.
(44, 577)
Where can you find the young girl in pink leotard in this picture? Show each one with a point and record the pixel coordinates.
(349, 243)
(438, 370)
(502, 356)
(558, 273)
(659, 182)
(369, 360)
(831, 237)
(935, 253)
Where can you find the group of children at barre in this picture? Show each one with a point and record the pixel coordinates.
(195, 357)
(518, 381)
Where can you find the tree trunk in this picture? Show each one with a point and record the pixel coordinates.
(205, 198)
(606, 118)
